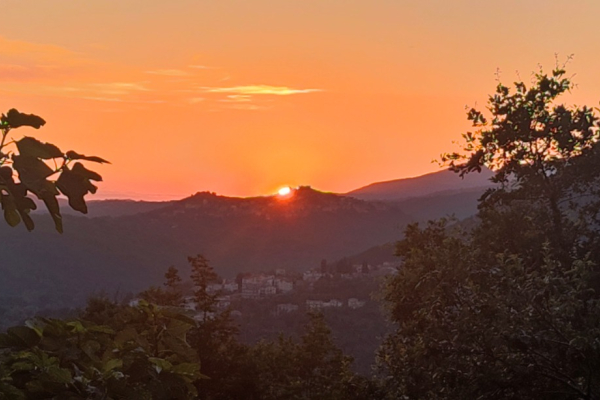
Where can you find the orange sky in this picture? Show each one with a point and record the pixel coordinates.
(241, 97)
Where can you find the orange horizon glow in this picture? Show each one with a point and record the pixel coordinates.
(284, 191)
(240, 98)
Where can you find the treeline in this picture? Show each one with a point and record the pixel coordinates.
(508, 306)
(503, 306)
(153, 348)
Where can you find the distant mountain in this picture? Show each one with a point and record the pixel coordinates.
(459, 204)
(131, 252)
(108, 208)
(126, 246)
(439, 183)
(375, 255)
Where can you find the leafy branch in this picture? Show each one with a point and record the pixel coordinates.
(24, 171)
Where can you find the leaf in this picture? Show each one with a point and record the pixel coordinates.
(32, 172)
(76, 156)
(187, 369)
(76, 326)
(32, 147)
(75, 184)
(32, 324)
(11, 215)
(160, 364)
(75, 188)
(79, 169)
(51, 203)
(15, 119)
(22, 336)
(112, 364)
(59, 375)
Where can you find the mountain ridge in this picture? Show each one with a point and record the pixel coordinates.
(423, 185)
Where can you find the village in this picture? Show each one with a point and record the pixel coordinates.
(289, 292)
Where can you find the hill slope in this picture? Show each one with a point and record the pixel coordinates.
(438, 183)
(132, 252)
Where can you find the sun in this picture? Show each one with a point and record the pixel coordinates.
(284, 191)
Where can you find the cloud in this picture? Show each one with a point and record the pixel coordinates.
(200, 67)
(120, 88)
(37, 51)
(14, 72)
(249, 107)
(259, 90)
(196, 100)
(169, 72)
(95, 98)
(237, 98)
(119, 100)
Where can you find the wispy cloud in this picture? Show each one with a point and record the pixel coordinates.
(200, 67)
(169, 72)
(246, 106)
(120, 100)
(196, 100)
(237, 98)
(259, 90)
(96, 98)
(14, 72)
(36, 51)
(120, 88)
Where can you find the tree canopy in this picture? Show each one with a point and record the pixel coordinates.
(507, 306)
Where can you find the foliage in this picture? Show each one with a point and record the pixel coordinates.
(313, 368)
(170, 295)
(136, 352)
(469, 329)
(213, 337)
(28, 159)
(511, 308)
(202, 276)
(536, 148)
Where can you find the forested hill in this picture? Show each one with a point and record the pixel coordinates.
(132, 252)
(434, 184)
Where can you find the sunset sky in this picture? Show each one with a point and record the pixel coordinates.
(243, 97)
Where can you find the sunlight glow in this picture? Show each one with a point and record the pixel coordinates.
(284, 191)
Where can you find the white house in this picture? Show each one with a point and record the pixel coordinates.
(286, 308)
(354, 303)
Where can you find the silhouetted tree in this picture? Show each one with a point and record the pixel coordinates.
(202, 276)
(540, 153)
(508, 309)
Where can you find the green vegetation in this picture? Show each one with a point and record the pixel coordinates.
(27, 158)
(158, 351)
(510, 308)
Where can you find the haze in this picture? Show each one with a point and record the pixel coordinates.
(244, 97)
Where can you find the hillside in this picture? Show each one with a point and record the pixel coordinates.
(125, 246)
(437, 183)
(131, 252)
(107, 208)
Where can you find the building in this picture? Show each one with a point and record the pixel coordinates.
(230, 286)
(319, 304)
(267, 291)
(354, 303)
(286, 308)
(311, 276)
(255, 286)
(283, 285)
(223, 302)
(314, 304)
